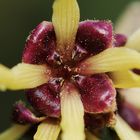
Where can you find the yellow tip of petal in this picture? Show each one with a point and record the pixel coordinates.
(14, 133)
(47, 131)
(134, 41)
(72, 113)
(125, 79)
(23, 76)
(112, 59)
(124, 131)
(5, 77)
(65, 19)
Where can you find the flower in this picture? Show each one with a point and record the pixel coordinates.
(70, 70)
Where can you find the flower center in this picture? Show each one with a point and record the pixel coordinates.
(64, 71)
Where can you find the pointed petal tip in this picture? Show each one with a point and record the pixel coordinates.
(47, 130)
(65, 19)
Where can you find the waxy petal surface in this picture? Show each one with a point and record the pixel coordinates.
(119, 40)
(97, 93)
(44, 100)
(94, 36)
(40, 45)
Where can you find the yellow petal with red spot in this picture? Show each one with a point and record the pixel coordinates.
(112, 59)
(23, 76)
(72, 113)
(47, 131)
(125, 79)
(14, 133)
(124, 131)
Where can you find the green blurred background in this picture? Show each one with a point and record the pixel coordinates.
(19, 17)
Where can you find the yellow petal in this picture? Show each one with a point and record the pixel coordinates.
(90, 136)
(47, 131)
(125, 79)
(112, 59)
(14, 133)
(132, 96)
(65, 20)
(5, 77)
(124, 131)
(72, 113)
(23, 76)
(134, 41)
(129, 21)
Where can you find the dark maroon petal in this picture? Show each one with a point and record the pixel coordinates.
(94, 36)
(130, 114)
(97, 93)
(44, 100)
(23, 115)
(119, 40)
(40, 45)
(96, 121)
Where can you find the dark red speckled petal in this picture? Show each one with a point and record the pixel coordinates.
(44, 100)
(40, 45)
(94, 36)
(23, 115)
(97, 93)
(119, 40)
(130, 114)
